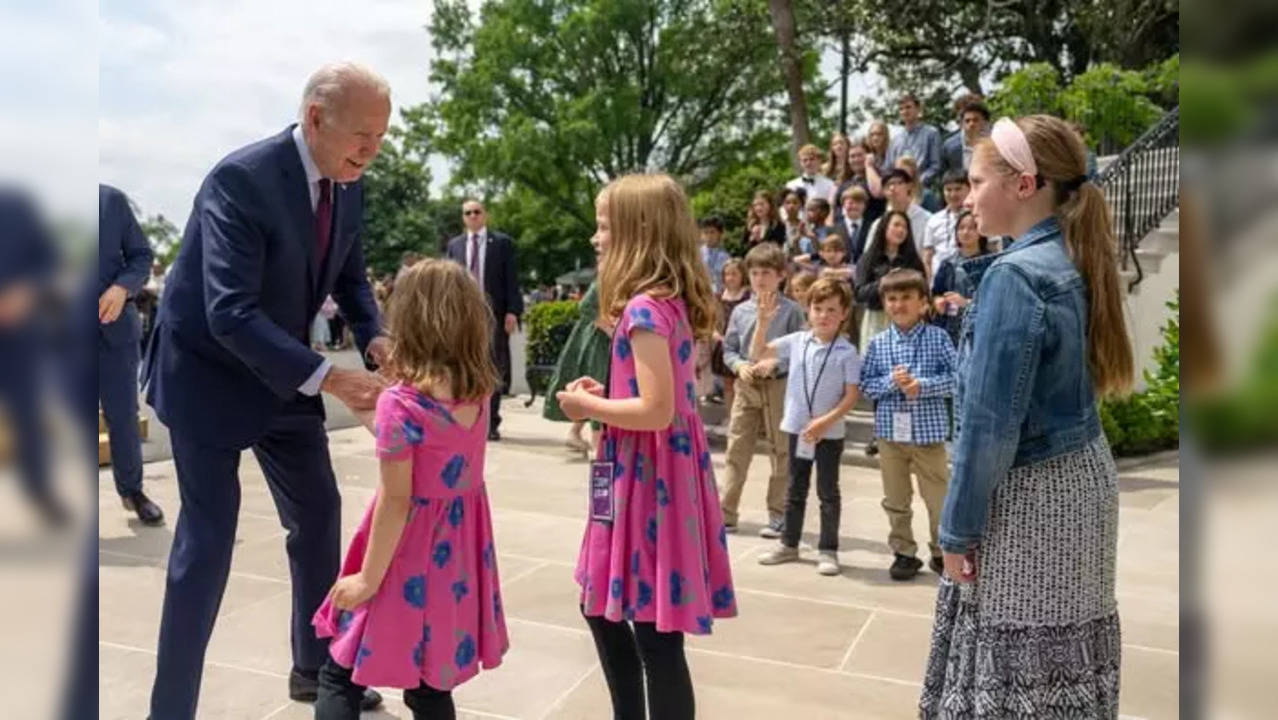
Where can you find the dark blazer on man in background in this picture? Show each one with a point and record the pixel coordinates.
(951, 154)
(124, 259)
(501, 286)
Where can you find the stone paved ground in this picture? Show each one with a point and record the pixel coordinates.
(805, 646)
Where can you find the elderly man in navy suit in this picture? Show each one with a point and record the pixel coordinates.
(274, 229)
(124, 259)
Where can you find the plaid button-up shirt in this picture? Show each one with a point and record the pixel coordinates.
(928, 353)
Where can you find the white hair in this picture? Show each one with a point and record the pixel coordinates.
(332, 80)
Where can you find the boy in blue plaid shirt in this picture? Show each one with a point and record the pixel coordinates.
(909, 370)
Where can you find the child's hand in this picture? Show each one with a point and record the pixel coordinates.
(938, 304)
(351, 591)
(901, 376)
(746, 372)
(572, 403)
(961, 568)
(767, 309)
(956, 299)
(587, 384)
(814, 431)
(764, 368)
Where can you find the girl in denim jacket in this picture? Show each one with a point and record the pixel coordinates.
(1026, 618)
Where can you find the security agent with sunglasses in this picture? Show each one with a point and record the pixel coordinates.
(490, 257)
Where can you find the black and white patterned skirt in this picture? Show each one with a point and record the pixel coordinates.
(1037, 634)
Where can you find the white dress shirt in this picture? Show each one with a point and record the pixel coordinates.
(482, 246)
(312, 384)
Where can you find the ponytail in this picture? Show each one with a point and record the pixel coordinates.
(1060, 160)
(1085, 220)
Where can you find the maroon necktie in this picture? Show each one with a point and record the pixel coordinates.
(474, 255)
(323, 220)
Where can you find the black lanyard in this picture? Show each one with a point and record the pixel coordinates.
(810, 395)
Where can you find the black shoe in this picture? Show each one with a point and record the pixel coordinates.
(872, 448)
(148, 512)
(304, 687)
(905, 567)
(493, 435)
(937, 564)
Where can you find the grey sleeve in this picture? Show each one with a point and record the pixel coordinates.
(732, 341)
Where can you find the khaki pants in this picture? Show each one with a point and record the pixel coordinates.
(897, 461)
(756, 404)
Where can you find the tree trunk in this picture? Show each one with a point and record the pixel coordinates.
(782, 12)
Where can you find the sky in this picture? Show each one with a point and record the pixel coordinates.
(182, 84)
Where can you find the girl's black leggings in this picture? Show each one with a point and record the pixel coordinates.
(628, 656)
(339, 697)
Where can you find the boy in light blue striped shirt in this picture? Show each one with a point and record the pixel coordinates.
(820, 390)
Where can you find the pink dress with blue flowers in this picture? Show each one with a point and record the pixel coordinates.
(664, 558)
(437, 616)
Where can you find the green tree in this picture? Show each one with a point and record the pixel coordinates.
(1114, 105)
(541, 102)
(399, 213)
(163, 236)
(935, 47)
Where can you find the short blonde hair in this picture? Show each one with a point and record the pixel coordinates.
(809, 150)
(440, 328)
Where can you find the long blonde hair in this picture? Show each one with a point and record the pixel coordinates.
(440, 328)
(880, 154)
(1089, 238)
(835, 167)
(653, 249)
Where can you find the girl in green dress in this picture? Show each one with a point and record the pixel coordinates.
(585, 353)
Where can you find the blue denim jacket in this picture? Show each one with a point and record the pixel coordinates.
(1024, 389)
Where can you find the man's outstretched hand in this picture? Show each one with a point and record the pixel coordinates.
(357, 389)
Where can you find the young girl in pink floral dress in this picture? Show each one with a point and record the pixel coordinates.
(418, 605)
(654, 554)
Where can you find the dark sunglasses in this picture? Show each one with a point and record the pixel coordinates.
(472, 212)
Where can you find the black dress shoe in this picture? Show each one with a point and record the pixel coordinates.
(937, 564)
(493, 435)
(304, 687)
(148, 512)
(905, 567)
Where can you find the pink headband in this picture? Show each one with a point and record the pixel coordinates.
(1012, 145)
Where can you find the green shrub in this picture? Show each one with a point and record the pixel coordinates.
(549, 325)
(1149, 420)
(1244, 417)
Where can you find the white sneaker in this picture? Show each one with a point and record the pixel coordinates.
(773, 529)
(779, 554)
(828, 563)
